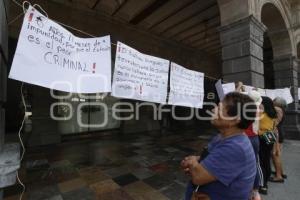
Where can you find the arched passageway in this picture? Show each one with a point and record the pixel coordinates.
(277, 48)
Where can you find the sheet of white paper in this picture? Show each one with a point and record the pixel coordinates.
(298, 93)
(219, 89)
(139, 76)
(261, 91)
(186, 87)
(48, 55)
(271, 93)
(285, 93)
(248, 88)
(228, 87)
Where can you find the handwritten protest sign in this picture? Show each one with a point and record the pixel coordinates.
(50, 56)
(139, 76)
(228, 87)
(186, 87)
(223, 89)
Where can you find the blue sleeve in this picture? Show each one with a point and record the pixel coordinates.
(225, 162)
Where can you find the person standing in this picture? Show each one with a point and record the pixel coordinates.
(228, 170)
(266, 124)
(252, 133)
(280, 106)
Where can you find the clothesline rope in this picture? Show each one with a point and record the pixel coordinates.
(23, 6)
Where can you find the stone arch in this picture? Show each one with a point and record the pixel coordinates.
(283, 47)
(234, 10)
(277, 12)
(277, 30)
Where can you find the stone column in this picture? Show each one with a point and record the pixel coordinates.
(3, 68)
(286, 75)
(242, 51)
(298, 64)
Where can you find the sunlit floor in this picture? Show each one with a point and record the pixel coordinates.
(131, 167)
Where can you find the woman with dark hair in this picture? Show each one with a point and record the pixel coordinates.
(228, 168)
(266, 123)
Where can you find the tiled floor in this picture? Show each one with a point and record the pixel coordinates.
(137, 167)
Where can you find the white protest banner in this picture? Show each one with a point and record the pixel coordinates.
(186, 87)
(223, 89)
(220, 90)
(248, 88)
(284, 93)
(139, 76)
(48, 55)
(271, 93)
(262, 92)
(228, 87)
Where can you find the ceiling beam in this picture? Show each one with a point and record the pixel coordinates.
(214, 48)
(188, 3)
(213, 4)
(205, 36)
(93, 3)
(148, 11)
(201, 28)
(206, 45)
(121, 4)
(216, 51)
(206, 23)
(194, 20)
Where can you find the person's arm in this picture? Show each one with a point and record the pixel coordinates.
(224, 164)
(239, 87)
(199, 175)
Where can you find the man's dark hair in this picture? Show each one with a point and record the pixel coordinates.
(269, 108)
(235, 101)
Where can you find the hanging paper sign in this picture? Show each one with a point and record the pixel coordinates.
(223, 89)
(48, 55)
(272, 94)
(228, 87)
(262, 92)
(139, 76)
(285, 93)
(220, 90)
(248, 88)
(186, 87)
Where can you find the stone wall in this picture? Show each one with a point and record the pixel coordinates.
(100, 25)
(3, 66)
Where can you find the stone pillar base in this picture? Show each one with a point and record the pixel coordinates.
(9, 164)
(291, 125)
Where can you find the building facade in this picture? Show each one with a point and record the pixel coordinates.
(253, 41)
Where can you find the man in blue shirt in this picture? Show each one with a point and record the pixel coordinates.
(229, 169)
